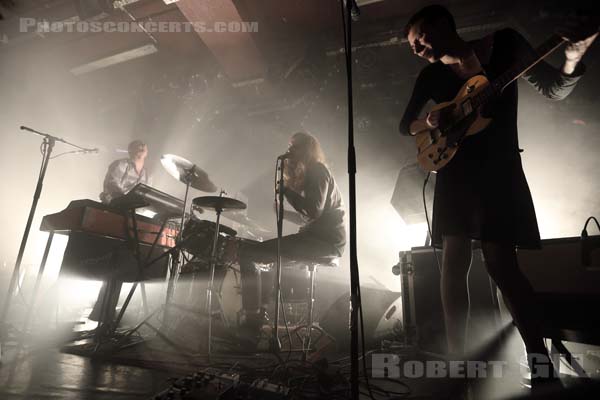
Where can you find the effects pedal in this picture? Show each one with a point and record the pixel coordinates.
(208, 384)
(264, 390)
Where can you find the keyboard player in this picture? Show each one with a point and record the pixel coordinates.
(121, 177)
(124, 174)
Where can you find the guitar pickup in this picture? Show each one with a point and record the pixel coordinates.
(466, 107)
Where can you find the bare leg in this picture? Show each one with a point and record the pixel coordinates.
(456, 260)
(502, 265)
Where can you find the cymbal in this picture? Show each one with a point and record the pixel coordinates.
(185, 171)
(219, 203)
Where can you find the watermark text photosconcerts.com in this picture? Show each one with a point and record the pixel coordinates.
(32, 25)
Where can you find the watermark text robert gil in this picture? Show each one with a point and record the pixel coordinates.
(390, 366)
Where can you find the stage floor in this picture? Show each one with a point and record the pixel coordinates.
(48, 373)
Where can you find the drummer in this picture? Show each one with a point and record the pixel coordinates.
(124, 174)
(310, 189)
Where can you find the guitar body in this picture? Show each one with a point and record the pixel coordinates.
(458, 119)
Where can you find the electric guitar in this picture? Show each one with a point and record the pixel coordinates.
(462, 117)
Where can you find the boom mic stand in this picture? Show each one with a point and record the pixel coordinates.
(351, 9)
(275, 342)
(47, 146)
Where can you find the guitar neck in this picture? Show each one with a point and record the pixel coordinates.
(520, 68)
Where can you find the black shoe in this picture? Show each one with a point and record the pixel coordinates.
(543, 378)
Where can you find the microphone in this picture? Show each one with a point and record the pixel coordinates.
(354, 10)
(284, 156)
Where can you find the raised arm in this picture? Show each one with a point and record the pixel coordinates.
(553, 83)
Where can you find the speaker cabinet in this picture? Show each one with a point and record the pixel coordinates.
(565, 265)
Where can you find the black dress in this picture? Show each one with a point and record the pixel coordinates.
(482, 193)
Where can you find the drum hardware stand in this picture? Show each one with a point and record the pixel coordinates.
(185, 352)
(213, 261)
(190, 297)
(48, 144)
(175, 253)
(176, 258)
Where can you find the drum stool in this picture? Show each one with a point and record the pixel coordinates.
(305, 332)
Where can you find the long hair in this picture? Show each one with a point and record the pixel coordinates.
(309, 152)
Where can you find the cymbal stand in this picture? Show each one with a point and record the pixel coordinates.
(213, 261)
(176, 259)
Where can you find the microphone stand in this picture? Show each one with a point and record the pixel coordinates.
(355, 300)
(47, 146)
(275, 342)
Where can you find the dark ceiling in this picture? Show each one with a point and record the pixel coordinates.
(295, 52)
(285, 26)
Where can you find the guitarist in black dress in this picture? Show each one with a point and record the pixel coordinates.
(482, 194)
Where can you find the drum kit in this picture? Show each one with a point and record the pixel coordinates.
(205, 240)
